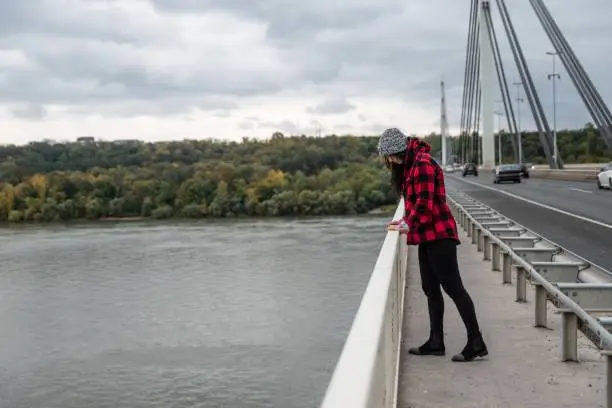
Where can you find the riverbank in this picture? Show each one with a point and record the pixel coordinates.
(386, 210)
(122, 219)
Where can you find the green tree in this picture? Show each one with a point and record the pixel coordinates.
(280, 176)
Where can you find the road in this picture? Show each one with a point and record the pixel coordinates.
(575, 215)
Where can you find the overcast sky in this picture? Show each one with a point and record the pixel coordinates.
(170, 69)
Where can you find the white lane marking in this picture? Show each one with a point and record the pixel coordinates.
(548, 207)
(580, 190)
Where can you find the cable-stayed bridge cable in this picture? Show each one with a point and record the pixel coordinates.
(468, 62)
(503, 84)
(528, 85)
(469, 81)
(472, 91)
(570, 67)
(591, 98)
(473, 97)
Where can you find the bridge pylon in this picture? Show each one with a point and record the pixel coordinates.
(488, 89)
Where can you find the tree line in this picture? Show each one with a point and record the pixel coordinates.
(301, 175)
(575, 146)
(192, 179)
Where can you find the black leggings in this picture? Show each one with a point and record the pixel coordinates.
(439, 268)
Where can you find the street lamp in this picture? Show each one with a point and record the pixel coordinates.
(499, 114)
(519, 100)
(554, 76)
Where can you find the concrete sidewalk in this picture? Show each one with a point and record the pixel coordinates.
(523, 368)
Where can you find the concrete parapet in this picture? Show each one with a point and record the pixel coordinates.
(565, 174)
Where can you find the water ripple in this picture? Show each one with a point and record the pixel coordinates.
(250, 313)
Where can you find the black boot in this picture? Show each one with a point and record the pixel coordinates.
(475, 347)
(432, 347)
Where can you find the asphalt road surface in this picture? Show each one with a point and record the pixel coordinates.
(588, 235)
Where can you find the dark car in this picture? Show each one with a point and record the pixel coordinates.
(470, 168)
(508, 172)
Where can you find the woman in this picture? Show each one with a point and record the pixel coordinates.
(428, 223)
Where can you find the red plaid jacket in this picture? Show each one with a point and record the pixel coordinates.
(426, 212)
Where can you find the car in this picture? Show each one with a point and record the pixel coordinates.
(470, 168)
(604, 177)
(507, 172)
(449, 169)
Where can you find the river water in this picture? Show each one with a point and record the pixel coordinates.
(209, 314)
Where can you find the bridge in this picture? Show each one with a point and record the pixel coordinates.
(535, 257)
(485, 79)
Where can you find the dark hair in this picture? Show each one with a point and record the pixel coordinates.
(397, 173)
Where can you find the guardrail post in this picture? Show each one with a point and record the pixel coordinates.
(486, 248)
(608, 354)
(521, 284)
(506, 268)
(469, 227)
(474, 233)
(495, 256)
(480, 234)
(569, 343)
(540, 305)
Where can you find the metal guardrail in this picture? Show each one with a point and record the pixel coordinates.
(366, 375)
(578, 288)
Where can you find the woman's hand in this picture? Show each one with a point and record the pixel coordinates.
(398, 225)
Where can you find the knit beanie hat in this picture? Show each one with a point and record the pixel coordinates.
(392, 141)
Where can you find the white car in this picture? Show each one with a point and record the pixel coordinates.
(604, 177)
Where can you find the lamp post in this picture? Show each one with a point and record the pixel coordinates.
(499, 114)
(554, 76)
(519, 138)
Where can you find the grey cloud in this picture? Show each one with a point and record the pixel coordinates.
(126, 72)
(79, 69)
(331, 106)
(221, 113)
(83, 20)
(368, 128)
(343, 126)
(285, 126)
(170, 107)
(250, 123)
(409, 60)
(376, 127)
(290, 20)
(246, 125)
(142, 62)
(29, 111)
